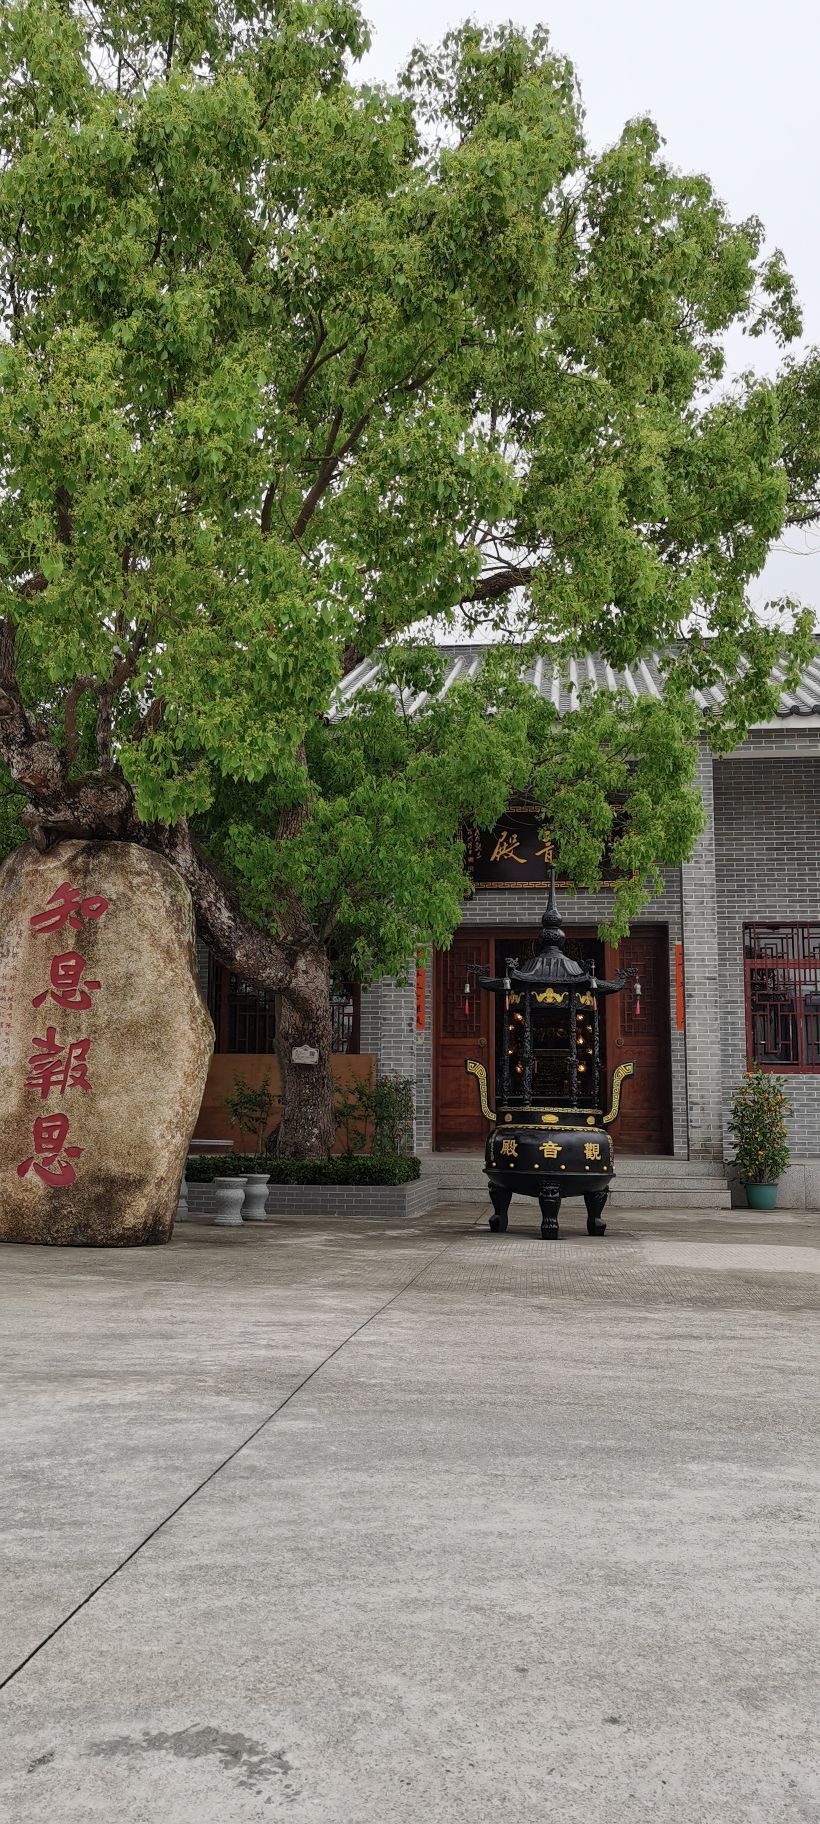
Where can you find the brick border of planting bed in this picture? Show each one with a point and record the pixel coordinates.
(354, 1202)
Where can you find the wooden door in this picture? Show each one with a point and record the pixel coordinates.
(459, 1035)
(645, 1122)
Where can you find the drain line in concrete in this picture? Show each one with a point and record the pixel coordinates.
(231, 1458)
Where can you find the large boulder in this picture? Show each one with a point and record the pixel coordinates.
(104, 1044)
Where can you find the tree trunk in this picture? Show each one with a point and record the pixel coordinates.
(308, 1126)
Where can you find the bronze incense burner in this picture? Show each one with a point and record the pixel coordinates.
(557, 1147)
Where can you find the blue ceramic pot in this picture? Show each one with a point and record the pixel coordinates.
(761, 1196)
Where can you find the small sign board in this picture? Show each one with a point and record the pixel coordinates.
(304, 1054)
(517, 853)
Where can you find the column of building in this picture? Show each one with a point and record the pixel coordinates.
(702, 983)
(388, 1033)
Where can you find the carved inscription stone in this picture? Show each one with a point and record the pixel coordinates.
(104, 1044)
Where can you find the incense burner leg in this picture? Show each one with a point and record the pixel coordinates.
(549, 1199)
(595, 1202)
(500, 1199)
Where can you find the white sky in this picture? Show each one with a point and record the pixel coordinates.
(733, 86)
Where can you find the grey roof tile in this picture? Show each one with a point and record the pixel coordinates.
(643, 679)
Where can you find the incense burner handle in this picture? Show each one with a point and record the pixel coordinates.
(478, 1071)
(620, 1075)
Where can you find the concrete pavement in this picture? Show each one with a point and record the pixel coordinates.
(422, 1524)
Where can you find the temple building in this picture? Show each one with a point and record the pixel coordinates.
(726, 959)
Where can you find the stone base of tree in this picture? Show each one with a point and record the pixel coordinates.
(348, 1202)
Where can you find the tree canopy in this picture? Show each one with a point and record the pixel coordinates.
(294, 368)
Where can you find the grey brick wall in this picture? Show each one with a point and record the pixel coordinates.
(350, 1202)
(767, 849)
(702, 986)
(202, 967)
(388, 1030)
(424, 1065)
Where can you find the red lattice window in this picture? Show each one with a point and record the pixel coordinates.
(643, 956)
(782, 977)
(462, 1015)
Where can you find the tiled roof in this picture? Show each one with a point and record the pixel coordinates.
(641, 680)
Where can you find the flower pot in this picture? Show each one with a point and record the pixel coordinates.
(256, 1196)
(229, 1195)
(761, 1196)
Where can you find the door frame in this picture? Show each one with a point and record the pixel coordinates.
(617, 1050)
(441, 1142)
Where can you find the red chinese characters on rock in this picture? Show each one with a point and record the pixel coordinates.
(55, 1065)
(59, 1067)
(67, 907)
(66, 989)
(54, 1166)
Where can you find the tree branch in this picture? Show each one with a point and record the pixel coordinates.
(234, 939)
(499, 582)
(34, 765)
(78, 689)
(331, 457)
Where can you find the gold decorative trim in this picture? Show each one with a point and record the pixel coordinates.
(478, 1071)
(623, 1071)
(533, 1127)
(548, 1108)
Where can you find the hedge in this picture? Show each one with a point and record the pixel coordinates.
(360, 1169)
(202, 1168)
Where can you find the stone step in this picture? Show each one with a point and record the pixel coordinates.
(640, 1183)
(642, 1173)
(685, 1197)
(467, 1167)
(678, 1194)
(644, 1165)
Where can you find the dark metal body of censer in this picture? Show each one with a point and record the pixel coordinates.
(557, 1149)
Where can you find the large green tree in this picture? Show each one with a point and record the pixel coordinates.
(293, 367)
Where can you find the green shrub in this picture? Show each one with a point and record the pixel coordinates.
(386, 1169)
(758, 1126)
(377, 1117)
(202, 1168)
(250, 1110)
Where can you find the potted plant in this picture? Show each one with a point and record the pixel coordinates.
(758, 1126)
(250, 1110)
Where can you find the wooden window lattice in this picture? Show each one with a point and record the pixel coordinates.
(245, 1018)
(461, 1013)
(782, 982)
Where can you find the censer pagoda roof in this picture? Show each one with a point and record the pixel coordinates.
(550, 962)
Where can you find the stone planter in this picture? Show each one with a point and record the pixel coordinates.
(256, 1196)
(761, 1196)
(229, 1194)
(353, 1202)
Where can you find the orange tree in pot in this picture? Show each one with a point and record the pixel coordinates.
(758, 1126)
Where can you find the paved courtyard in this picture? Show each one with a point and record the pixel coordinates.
(365, 1526)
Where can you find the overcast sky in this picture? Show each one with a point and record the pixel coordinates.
(733, 86)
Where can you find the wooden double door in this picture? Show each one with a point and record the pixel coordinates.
(464, 1028)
